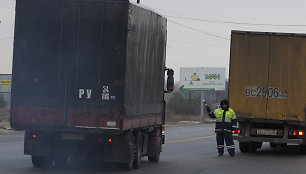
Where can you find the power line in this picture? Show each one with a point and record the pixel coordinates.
(203, 32)
(196, 43)
(237, 23)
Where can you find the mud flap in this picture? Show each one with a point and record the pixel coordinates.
(154, 142)
(120, 152)
(38, 146)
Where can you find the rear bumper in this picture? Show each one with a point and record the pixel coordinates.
(241, 138)
(82, 146)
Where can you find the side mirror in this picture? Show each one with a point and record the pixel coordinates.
(170, 80)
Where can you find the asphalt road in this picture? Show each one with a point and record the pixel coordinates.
(189, 150)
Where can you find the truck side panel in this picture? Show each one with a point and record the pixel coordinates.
(144, 76)
(248, 68)
(287, 73)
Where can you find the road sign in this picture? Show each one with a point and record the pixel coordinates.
(5, 83)
(201, 79)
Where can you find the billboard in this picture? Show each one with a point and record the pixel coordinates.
(5, 83)
(199, 79)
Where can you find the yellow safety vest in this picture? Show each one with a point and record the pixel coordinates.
(229, 115)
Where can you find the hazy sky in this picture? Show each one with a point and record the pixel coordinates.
(186, 47)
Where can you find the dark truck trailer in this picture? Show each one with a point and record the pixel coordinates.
(88, 80)
(267, 88)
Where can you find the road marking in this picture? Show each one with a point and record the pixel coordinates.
(183, 140)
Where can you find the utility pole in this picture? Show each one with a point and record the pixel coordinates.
(202, 104)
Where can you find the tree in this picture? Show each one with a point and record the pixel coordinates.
(3, 102)
(181, 106)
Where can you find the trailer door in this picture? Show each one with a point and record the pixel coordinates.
(96, 76)
(287, 80)
(249, 74)
(38, 81)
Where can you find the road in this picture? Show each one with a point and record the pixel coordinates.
(190, 149)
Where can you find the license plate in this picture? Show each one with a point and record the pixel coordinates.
(73, 136)
(267, 132)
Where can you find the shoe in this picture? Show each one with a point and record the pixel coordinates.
(232, 154)
(220, 154)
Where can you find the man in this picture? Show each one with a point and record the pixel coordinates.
(226, 120)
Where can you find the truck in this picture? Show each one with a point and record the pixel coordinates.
(267, 89)
(88, 81)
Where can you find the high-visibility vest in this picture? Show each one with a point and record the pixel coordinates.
(229, 115)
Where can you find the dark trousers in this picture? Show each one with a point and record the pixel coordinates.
(227, 136)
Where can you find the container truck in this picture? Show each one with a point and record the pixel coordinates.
(267, 88)
(89, 81)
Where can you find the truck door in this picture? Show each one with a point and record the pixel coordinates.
(96, 75)
(249, 74)
(287, 78)
(38, 81)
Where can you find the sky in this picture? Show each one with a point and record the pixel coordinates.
(193, 43)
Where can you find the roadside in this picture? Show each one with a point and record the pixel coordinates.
(174, 120)
(5, 118)
(5, 121)
(171, 120)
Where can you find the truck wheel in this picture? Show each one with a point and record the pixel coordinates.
(129, 164)
(247, 147)
(303, 149)
(244, 148)
(60, 162)
(276, 145)
(156, 156)
(138, 151)
(126, 166)
(257, 145)
(41, 161)
(273, 145)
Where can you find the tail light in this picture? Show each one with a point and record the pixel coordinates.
(236, 131)
(296, 133)
(109, 140)
(301, 133)
(34, 136)
(163, 130)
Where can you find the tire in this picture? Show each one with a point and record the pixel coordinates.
(156, 156)
(154, 159)
(302, 149)
(129, 164)
(276, 145)
(60, 162)
(258, 145)
(243, 147)
(247, 147)
(126, 166)
(138, 151)
(273, 145)
(41, 161)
